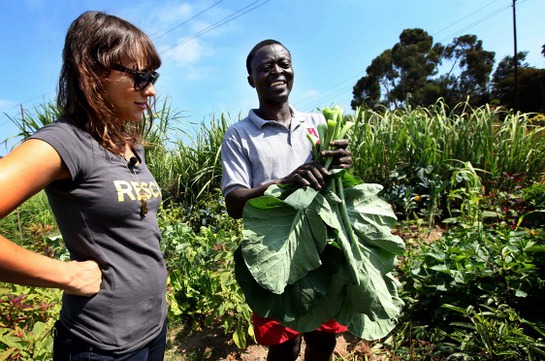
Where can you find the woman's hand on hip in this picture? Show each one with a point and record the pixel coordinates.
(86, 278)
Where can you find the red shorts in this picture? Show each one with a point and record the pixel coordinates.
(269, 332)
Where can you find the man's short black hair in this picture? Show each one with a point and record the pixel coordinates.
(258, 46)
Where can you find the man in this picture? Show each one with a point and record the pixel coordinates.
(268, 147)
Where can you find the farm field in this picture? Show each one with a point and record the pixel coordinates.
(467, 186)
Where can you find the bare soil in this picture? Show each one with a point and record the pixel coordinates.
(212, 344)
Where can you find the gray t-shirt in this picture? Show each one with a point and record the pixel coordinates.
(98, 213)
(255, 151)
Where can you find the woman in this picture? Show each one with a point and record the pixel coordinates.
(91, 164)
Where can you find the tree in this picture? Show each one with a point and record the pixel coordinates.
(503, 81)
(470, 72)
(367, 90)
(415, 59)
(531, 84)
(403, 69)
(410, 69)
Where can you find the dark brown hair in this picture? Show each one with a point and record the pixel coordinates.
(94, 42)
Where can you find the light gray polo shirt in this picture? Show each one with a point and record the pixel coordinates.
(255, 151)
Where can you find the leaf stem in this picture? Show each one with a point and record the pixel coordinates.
(342, 212)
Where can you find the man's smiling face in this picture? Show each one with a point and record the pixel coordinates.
(272, 74)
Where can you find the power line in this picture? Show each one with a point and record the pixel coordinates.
(186, 21)
(219, 23)
(323, 95)
(477, 22)
(463, 18)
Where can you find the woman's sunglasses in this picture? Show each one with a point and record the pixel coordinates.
(142, 79)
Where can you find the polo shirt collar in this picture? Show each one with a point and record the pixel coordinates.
(260, 122)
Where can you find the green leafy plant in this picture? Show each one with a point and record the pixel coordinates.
(410, 152)
(27, 315)
(493, 333)
(466, 197)
(515, 202)
(202, 288)
(494, 275)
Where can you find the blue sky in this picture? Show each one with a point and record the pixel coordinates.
(204, 44)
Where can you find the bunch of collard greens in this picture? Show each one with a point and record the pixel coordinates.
(308, 256)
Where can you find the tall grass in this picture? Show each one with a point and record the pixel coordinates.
(190, 170)
(158, 158)
(414, 152)
(493, 140)
(30, 121)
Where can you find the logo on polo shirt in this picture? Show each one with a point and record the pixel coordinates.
(313, 132)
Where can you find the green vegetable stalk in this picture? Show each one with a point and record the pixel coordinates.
(336, 128)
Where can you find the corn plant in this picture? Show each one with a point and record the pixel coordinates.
(191, 167)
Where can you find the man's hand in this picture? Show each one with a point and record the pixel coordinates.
(313, 174)
(342, 156)
(309, 174)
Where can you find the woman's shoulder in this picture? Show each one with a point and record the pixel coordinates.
(63, 128)
(65, 136)
(66, 124)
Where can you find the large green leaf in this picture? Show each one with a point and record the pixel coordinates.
(298, 298)
(285, 268)
(283, 239)
(372, 218)
(328, 305)
(365, 325)
(374, 297)
(333, 221)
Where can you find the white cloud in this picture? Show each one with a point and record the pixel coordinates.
(311, 93)
(168, 16)
(190, 37)
(183, 40)
(187, 53)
